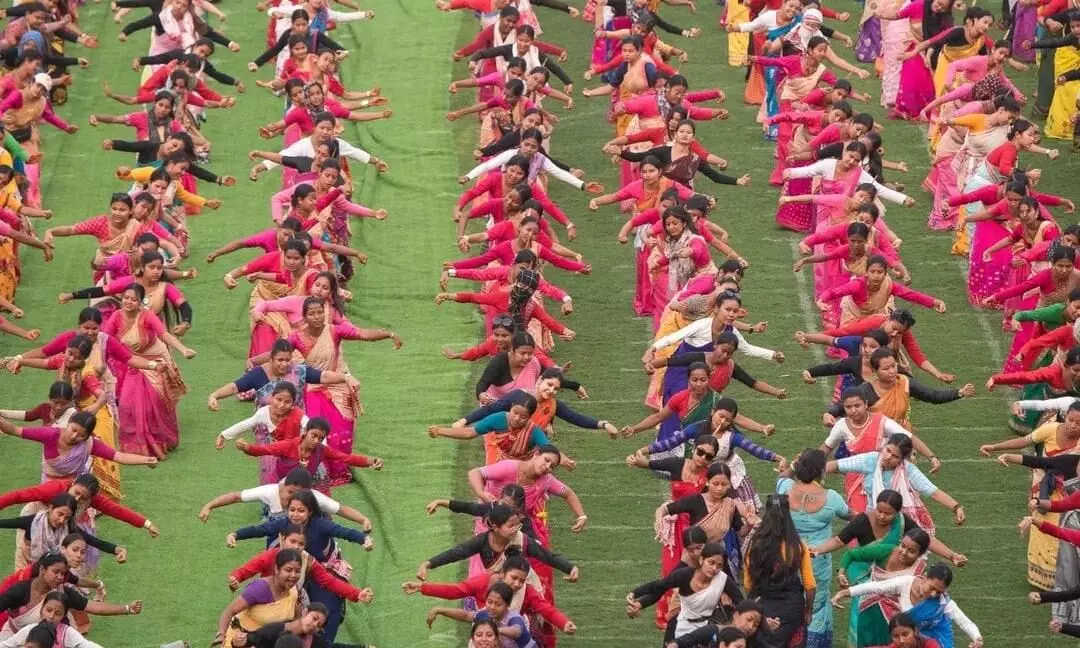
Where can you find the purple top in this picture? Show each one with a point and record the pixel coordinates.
(49, 438)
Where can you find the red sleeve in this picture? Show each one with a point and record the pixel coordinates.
(849, 288)
(117, 511)
(1050, 375)
(358, 460)
(491, 273)
(699, 150)
(205, 91)
(482, 350)
(615, 62)
(1061, 336)
(913, 296)
(1036, 252)
(547, 320)
(815, 98)
(265, 263)
(1004, 161)
(827, 12)
(480, 188)
(482, 40)
(828, 135)
(57, 344)
(493, 298)
(42, 493)
(474, 587)
(1067, 503)
(647, 217)
(987, 194)
(332, 583)
(559, 261)
(535, 602)
(663, 67)
(260, 564)
(275, 449)
(828, 235)
(911, 345)
(550, 208)
(1022, 287)
(491, 208)
(551, 291)
(543, 358)
(697, 113)
(702, 95)
(38, 413)
(1049, 200)
(492, 254)
(1068, 535)
(483, 6)
(548, 48)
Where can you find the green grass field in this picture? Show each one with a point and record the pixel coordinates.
(182, 575)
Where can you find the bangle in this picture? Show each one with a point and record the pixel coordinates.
(127, 609)
(582, 517)
(153, 365)
(957, 507)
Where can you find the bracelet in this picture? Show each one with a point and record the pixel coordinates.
(957, 508)
(147, 524)
(153, 365)
(582, 517)
(127, 609)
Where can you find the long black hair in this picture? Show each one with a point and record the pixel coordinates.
(775, 549)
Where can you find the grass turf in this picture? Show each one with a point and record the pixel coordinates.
(181, 575)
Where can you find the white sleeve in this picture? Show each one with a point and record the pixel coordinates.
(890, 586)
(1061, 404)
(14, 415)
(347, 16)
(752, 350)
(678, 336)
(356, 153)
(237, 429)
(953, 611)
(74, 639)
(491, 165)
(821, 167)
(283, 10)
(753, 25)
(837, 434)
(300, 148)
(883, 191)
(16, 640)
(264, 494)
(326, 505)
(562, 174)
(892, 427)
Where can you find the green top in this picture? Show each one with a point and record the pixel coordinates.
(875, 552)
(1052, 316)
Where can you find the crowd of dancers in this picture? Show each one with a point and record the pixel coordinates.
(739, 566)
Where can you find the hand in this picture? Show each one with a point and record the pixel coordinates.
(768, 429)
(429, 619)
(377, 463)
(781, 394)
(181, 328)
(1025, 524)
(1034, 598)
(152, 529)
(1055, 625)
(935, 465)
(214, 203)
(842, 579)
(579, 524)
(782, 465)
(121, 555)
(135, 607)
(188, 353)
(958, 559)
(807, 378)
(573, 576)
(985, 450)
(959, 516)
(230, 541)
(967, 391)
(422, 570)
(242, 445)
(939, 306)
(369, 543)
(567, 308)
(204, 514)
(772, 623)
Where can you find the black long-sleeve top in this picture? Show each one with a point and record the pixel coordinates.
(25, 522)
(663, 153)
(481, 510)
(687, 359)
(18, 596)
(147, 152)
(1060, 596)
(918, 392)
(552, 4)
(1069, 40)
(497, 372)
(207, 66)
(1064, 464)
(507, 52)
(649, 593)
(512, 140)
(619, 9)
(10, 57)
(849, 366)
(694, 505)
(322, 41)
(479, 545)
(562, 410)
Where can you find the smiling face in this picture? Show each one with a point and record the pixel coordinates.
(280, 404)
(513, 174)
(908, 551)
(129, 302)
(485, 637)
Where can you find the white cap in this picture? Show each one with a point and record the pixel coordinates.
(812, 15)
(43, 80)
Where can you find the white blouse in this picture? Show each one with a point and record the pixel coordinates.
(901, 588)
(261, 416)
(699, 333)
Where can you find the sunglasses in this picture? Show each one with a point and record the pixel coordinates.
(503, 321)
(704, 455)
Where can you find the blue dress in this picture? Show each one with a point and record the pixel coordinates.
(814, 529)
